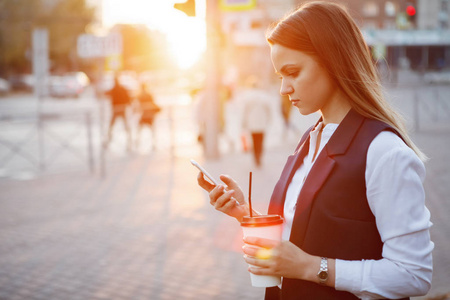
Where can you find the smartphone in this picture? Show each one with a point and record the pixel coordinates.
(197, 165)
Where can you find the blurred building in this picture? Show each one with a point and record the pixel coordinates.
(398, 14)
(377, 14)
(245, 50)
(433, 14)
(411, 34)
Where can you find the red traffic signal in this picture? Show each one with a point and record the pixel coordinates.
(410, 10)
(187, 7)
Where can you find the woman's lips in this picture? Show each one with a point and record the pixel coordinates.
(294, 101)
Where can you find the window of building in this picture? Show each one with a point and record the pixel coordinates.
(444, 5)
(390, 9)
(370, 9)
(443, 16)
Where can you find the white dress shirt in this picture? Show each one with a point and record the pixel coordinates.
(394, 177)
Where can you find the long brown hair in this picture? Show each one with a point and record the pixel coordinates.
(326, 31)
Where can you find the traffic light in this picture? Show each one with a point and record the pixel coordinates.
(411, 12)
(187, 7)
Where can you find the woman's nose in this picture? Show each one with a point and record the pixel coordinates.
(286, 89)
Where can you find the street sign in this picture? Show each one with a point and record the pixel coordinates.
(237, 5)
(40, 59)
(91, 46)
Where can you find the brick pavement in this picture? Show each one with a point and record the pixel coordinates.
(146, 231)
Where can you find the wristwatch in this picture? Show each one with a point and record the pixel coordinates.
(323, 272)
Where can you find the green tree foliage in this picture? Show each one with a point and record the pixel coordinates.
(17, 18)
(65, 20)
(143, 49)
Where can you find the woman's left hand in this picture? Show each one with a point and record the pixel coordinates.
(284, 259)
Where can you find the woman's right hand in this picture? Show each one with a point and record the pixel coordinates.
(228, 199)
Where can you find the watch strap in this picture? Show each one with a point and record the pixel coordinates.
(323, 271)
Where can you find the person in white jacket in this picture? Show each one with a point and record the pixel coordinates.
(256, 116)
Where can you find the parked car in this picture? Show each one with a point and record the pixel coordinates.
(67, 85)
(4, 87)
(81, 77)
(22, 82)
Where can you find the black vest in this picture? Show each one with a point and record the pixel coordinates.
(333, 218)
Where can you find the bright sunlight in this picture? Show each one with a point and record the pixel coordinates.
(186, 35)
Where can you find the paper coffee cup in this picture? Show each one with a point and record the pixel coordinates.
(268, 227)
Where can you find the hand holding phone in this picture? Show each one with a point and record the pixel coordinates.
(197, 165)
(236, 211)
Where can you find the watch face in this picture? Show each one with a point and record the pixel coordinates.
(323, 275)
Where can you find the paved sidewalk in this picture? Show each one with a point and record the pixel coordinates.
(147, 231)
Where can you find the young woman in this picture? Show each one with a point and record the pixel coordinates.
(356, 225)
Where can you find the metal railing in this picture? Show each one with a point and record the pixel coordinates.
(431, 106)
(37, 142)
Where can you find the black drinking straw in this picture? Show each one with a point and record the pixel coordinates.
(250, 195)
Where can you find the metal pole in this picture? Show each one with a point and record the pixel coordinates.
(436, 107)
(101, 105)
(103, 142)
(425, 55)
(416, 111)
(41, 143)
(89, 137)
(213, 80)
(172, 131)
(446, 56)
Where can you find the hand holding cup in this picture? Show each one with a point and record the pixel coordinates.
(266, 229)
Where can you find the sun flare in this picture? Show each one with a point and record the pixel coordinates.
(186, 35)
(188, 41)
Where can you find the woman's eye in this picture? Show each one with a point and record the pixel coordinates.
(293, 74)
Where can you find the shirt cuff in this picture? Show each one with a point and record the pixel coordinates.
(349, 275)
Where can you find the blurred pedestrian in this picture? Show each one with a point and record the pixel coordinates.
(256, 116)
(198, 97)
(120, 101)
(351, 194)
(148, 110)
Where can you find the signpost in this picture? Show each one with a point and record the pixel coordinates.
(40, 60)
